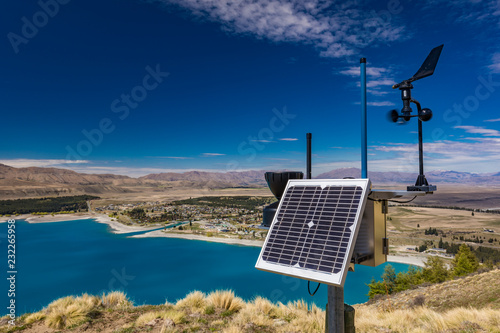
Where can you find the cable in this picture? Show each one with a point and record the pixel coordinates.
(391, 200)
(403, 201)
(309, 290)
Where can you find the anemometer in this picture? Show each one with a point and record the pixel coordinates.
(427, 69)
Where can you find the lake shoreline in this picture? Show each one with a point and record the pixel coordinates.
(120, 228)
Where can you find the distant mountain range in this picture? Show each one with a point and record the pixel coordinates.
(438, 176)
(36, 182)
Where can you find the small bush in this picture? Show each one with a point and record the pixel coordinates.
(418, 301)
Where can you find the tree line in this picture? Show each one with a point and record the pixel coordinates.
(45, 205)
(434, 271)
(245, 202)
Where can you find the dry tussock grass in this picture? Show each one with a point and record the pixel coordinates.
(115, 300)
(65, 317)
(296, 316)
(425, 320)
(306, 320)
(177, 317)
(225, 300)
(34, 317)
(67, 311)
(193, 302)
(231, 314)
(232, 329)
(71, 311)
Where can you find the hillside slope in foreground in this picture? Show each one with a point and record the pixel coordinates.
(470, 304)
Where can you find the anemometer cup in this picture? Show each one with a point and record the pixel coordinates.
(425, 114)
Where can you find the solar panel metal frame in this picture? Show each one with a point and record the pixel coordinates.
(338, 278)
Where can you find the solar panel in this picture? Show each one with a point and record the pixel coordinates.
(314, 230)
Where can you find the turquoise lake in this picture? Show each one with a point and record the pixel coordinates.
(70, 258)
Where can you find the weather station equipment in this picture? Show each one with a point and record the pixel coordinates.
(319, 229)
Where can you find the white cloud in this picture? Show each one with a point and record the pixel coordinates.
(380, 83)
(173, 157)
(471, 11)
(377, 82)
(42, 163)
(386, 103)
(336, 29)
(479, 130)
(288, 139)
(472, 154)
(492, 120)
(212, 154)
(355, 71)
(377, 92)
(262, 141)
(495, 63)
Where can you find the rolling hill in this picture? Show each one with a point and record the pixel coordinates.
(38, 182)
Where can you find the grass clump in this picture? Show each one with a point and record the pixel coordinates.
(34, 317)
(194, 302)
(68, 311)
(65, 317)
(225, 300)
(71, 311)
(422, 319)
(177, 317)
(115, 300)
(210, 310)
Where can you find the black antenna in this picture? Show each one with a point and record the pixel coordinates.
(309, 154)
(427, 69)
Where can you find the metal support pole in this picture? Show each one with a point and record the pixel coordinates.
(420, 149)
(364, 149)
(335, 310)
(309, 155)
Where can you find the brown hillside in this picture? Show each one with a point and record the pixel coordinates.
(477, 291)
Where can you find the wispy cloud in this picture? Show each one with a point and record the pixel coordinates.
(473, 12)
(336, 29)
(355, 71)
(378, 81)
(379, 103)
(375, 92)
(495, 63)
(386, 103)
(212, 154)
(173, 157)
(474, 154)
(492, 120)
(288, 139)
(479, 130)
(42, 163)
(262, 141)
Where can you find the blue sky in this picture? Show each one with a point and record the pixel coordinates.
(135, 87)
